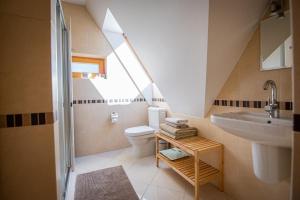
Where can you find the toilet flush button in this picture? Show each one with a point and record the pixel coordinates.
(114, 117)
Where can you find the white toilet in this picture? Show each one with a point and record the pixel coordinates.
(142, 137)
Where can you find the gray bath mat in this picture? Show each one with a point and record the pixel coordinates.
(105, 184)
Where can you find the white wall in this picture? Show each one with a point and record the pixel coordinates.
(170, 37)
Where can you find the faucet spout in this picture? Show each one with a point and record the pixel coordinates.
(267, 85)
(272, 108)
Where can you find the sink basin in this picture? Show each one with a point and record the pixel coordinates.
(271, 141)
(257, 127)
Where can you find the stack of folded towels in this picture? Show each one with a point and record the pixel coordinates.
(177, 128)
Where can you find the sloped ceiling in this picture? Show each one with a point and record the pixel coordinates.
(170, 37)
(231, 25)
(189, 47)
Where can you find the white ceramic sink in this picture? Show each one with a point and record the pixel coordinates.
(271, 141)
(257, 127)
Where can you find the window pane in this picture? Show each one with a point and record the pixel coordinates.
(85, 67)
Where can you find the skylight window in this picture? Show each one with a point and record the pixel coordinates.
(117, 85)
(123, 57)
(133, 66)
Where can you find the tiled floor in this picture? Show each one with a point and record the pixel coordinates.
(149, 182)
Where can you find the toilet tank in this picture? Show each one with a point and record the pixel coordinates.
(156, 116)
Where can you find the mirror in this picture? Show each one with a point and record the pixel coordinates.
(276, 43)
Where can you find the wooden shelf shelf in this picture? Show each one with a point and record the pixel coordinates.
(185, 167)
(192, 168)
(191, 144)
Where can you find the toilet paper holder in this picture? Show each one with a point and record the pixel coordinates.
(114, 117)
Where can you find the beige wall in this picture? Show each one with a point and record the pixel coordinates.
(245, 83)
(94, 132)
(246, 80)
(231, 25)
(296, 91)
(87, 39)
(27, 153)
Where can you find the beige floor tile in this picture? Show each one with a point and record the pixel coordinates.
(143, 170)
(140, 187)
(207, 192)
(149, 182)
(169, 179)
(159, 193)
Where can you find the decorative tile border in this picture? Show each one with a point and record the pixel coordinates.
(252, 104)
(26, 119)
(158, 99)
(94, 101)
(297, 122)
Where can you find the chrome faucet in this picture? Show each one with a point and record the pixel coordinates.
(272, 108)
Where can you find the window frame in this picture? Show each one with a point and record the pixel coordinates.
(89, 60)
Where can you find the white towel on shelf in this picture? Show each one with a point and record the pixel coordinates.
(176, 120)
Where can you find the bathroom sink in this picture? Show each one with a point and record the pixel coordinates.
(271, 141)
(257, 127)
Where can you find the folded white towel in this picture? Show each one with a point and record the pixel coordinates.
(177, 125)
(176, 120)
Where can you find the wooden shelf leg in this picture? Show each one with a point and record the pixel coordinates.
(157, 151)
(197, 183)
(221, 168)
(168, 145)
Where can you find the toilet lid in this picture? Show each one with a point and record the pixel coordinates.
(139, 131)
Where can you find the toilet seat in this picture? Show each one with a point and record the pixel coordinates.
(139, 131)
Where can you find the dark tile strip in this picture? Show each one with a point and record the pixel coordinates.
(288, 106)
(10, 121)
(297, 122)
(94, 101)
(42, 118)
(251, 104)
(259, 104)
(26, 119)
(18, 120)
(34, 119)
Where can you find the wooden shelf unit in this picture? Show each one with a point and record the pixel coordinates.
(191, 168)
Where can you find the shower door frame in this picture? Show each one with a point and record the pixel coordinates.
(65, 98)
